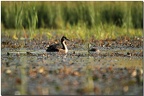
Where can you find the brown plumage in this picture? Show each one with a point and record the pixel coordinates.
(56, 47)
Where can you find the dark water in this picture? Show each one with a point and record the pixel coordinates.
(79, 72)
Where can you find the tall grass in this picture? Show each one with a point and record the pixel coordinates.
(79, 19)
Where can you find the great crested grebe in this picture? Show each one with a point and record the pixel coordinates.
(56, 47)
(93, 49)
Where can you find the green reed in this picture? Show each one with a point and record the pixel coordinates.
(75, 19)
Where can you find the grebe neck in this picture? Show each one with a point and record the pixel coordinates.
(64, 46)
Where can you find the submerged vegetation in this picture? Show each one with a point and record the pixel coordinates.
(82, 20)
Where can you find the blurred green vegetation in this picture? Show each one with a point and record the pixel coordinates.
(97, 19)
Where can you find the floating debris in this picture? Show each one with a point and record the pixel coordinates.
(8, 71)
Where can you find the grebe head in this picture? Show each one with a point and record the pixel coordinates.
(64, 38)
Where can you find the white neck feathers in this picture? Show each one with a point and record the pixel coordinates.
(65, 46)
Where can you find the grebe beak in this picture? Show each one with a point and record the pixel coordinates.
(67, 39)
